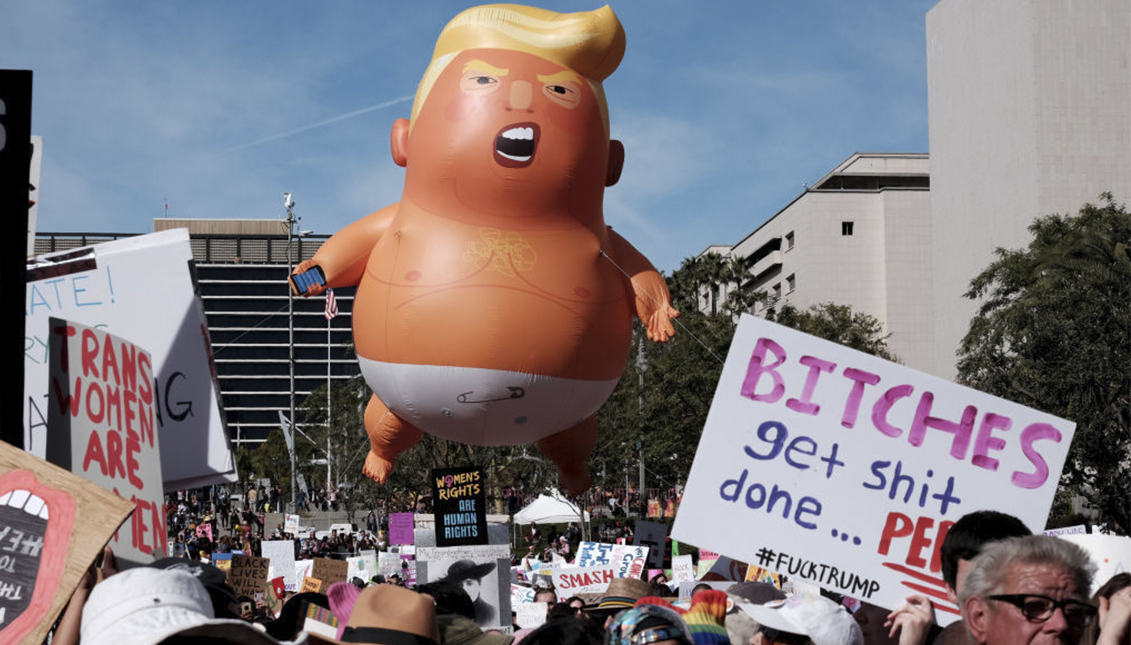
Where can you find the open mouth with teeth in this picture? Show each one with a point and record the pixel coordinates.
(515, 145)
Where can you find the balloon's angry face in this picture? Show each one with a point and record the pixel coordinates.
(505, 119)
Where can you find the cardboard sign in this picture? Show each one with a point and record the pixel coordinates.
(530, 614)
(578, 580)
(281, 554)
(101, 427)
(484, 573)
(248, 574)
(52, 526)
(839, 468)
(629, 561)
(683, 569)
(594, 554)
(653, 535)
(401, 528)
(141, 289)
(311, 584)
(459, 502)
(330, 571)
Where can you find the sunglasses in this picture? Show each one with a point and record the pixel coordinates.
(1037, 608)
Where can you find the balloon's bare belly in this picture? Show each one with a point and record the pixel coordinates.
(484, 406)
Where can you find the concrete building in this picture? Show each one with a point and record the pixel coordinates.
(860, 236)
(1030, 114)
(241, 268)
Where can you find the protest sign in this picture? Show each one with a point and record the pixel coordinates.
(1079, 529)
(281, 553)
(578, 580)
(408, 568)
(400, 528)
(388, 563)
(629, 561)
(311, 584)
(330, 571)
(222, 561)
(683, 569)
(529, 615)
(653, 535)
(303, 569)
(1110, 553)
(833, 466)
(290, 524)
(101, 427)
(483, 572)
(521, 594)
(141, 289)
(52, 526)
(204, 530)
(248, 575)
(459, 502)
(655, 510)
(593, 554)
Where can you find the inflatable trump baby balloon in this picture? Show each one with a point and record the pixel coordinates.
(494, 306)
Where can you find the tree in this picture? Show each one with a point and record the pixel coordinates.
(1053, 332)
(838, 323)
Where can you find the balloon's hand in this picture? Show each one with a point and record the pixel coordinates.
(658, 322)
(308, 279)
(912, 621)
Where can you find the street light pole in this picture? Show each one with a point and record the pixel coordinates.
(289, 203)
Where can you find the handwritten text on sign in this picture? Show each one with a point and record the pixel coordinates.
(102, 426)
(846, 470)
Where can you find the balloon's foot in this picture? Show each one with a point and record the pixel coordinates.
(575, 482)
(377, 467)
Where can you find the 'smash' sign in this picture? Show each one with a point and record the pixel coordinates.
(846, 470)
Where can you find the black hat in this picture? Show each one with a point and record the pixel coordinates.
(213, 579)
(466, 569)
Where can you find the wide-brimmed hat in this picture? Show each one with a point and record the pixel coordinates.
(392, 615)
(214, 580)
(143, 606)
(466, 569)
(622, 594)
(822, 620)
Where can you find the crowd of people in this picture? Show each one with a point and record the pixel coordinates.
(1011, 587)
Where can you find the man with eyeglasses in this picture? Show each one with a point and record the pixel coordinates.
(1028, 591)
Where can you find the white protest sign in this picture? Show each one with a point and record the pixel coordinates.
(141, 289)
(521, 594)
(1110, 553)
(102, 428)
(592, 554)
(530, 614)
(290, 524)
(388, 563)
(629, 561)
(840, 468)
(282, 556)
(303, 569)
(578, 580)
(683, 569)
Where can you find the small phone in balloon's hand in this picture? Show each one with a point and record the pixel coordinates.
(312, 277)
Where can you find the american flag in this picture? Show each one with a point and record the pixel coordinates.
(331, 305)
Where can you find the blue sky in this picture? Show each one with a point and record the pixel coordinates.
(726, 108)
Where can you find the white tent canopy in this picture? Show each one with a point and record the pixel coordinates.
(550, 509)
